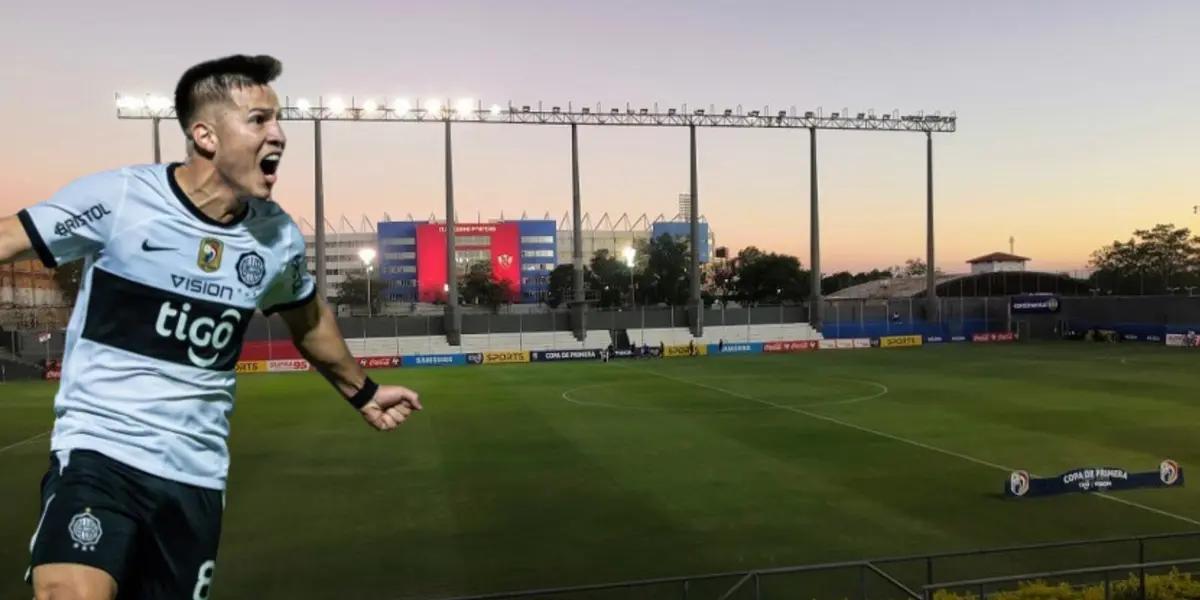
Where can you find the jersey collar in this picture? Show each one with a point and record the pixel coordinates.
(192, 208)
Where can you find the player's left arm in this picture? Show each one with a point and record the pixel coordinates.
(315, 333)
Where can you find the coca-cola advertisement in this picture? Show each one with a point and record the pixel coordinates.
(379, 362)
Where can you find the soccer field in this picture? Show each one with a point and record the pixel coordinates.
(535, 475)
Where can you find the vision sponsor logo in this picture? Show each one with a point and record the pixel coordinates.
(83, 219)
(934, 339)
(206, 336)
(197, 286)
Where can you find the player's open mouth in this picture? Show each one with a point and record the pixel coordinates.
(269, 164)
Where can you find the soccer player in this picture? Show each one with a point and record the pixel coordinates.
(177, 258)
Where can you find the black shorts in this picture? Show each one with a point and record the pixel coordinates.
(156, 537)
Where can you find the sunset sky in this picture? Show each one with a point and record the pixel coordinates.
(1078, 121)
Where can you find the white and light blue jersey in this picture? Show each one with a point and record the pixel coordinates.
(164, 300)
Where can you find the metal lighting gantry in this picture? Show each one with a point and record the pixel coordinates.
(156, 108)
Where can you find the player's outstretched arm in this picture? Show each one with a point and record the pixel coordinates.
(315, 333)
(14, 242)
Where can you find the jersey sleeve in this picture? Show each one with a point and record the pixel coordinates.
(293, 286)
(76, 221)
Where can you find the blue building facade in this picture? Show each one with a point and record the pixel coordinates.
(682, 231)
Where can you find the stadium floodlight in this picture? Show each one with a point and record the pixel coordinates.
(129, 103)
(303, 105)
(433, 107)
(367, 255)
(401, 107)
(370, 106)
(337, 106)
(630, 255)
(495, 110)
(465, 107)
(158, 104)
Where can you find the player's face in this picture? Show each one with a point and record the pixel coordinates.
(251, 141)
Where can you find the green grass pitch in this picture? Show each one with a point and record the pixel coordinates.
(522, 476)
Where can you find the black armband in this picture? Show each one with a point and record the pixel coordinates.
(364, 394)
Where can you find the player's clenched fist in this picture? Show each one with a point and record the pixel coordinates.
(391, 406)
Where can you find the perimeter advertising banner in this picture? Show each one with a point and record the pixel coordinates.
(503, 243)
(987, 338)
(287, 365)
(251, 366)
(434, 360)
(556, 355)
(1021, 484)
(1035, 304)
(735, 348)
(900, 341)
(499, 358)
(787, 347)
(685, 350)
(378, 362)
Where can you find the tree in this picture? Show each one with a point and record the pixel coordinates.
(609, 278)
(479, 286)
(914, 267)
(770, 277)
(353, 291)
(562, 284)
(844, 279)
(665, 276)
(1153, 261)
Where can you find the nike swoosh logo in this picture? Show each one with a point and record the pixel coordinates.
(146, 247)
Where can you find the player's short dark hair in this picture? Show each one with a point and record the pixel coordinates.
(213, 80)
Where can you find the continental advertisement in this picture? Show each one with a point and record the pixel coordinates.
(251, 366)
(505, 358)
(900, 341)
(685, 350)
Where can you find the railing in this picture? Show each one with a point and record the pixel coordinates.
(878, 578)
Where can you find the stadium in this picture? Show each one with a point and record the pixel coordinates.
(623, 405)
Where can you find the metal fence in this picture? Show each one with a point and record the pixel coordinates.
(985, 570)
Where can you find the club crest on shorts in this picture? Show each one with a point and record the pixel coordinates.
(85, 530)
(251, 269)
(209, 257)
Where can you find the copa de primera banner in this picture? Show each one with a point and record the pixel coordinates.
(1021, 484)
